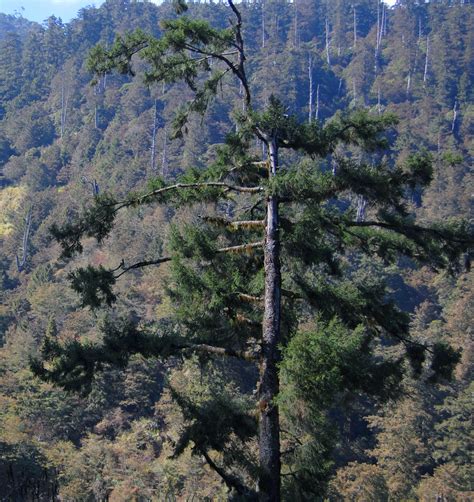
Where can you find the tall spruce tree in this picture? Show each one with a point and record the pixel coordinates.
(279, 250)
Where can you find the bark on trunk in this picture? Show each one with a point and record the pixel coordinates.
(269, 431)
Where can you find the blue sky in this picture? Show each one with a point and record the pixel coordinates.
(39, 10)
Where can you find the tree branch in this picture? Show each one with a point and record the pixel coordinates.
(220, 351)
(249, 298)
(178, 186)
(141, 264)
(235, 224)
(164, 259)
(229, 480)
(415, 228)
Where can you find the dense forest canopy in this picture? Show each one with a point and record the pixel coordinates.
(64, 142)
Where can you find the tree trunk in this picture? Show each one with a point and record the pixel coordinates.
(425, 73)
(354, 43)
(153, 137)
(311, 89)
(269, 428)
(328, 59)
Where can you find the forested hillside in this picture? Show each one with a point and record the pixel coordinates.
(65, 141)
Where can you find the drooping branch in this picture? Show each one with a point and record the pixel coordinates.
(210, 184)
(141, 264)
(412, 229)
(230, 481)
(146, 263)
(250, 356)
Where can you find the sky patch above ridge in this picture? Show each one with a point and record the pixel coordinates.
(39, 10)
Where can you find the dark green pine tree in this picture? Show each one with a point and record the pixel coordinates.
(270, 247)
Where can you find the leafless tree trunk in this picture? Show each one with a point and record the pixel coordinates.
(311, 87)
(64, 104)
(317, 103)
(377, 36)
(21, 262)
(295, 5)
(455, 115)
(164, 159)
(328, 59)
(378, 41)
(153, 136)
(93, 184)
(382, 26)
(269, 429)
(379, 97)
(263, 24)
(425, 74)
(354, 44)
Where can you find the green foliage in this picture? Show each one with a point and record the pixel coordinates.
(444, 360)
(94, 285)
(321, 365)
(96, 221)
(329, 168)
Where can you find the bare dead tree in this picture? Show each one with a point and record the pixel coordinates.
(153, 137)
(93, 184)
(382, 25)
(377, 36)
(455, 115)
(425, 74)
(311, 87)
(379, 99)
(164, 156)
(21, 261)
(317, 103)
(64, 104)
(295, 5)
(354, 44)
(328, 59)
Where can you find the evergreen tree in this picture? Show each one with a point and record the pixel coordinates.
(239, 285)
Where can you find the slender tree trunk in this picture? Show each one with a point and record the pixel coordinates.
(379, 99)
(328, 58)
(425, 73)
(164, 158)
(21, 262)
(153, 137)
(354, 43)
(455, 115)
(317, 103)
(311, 88)
(296, 22)
(269, 429)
